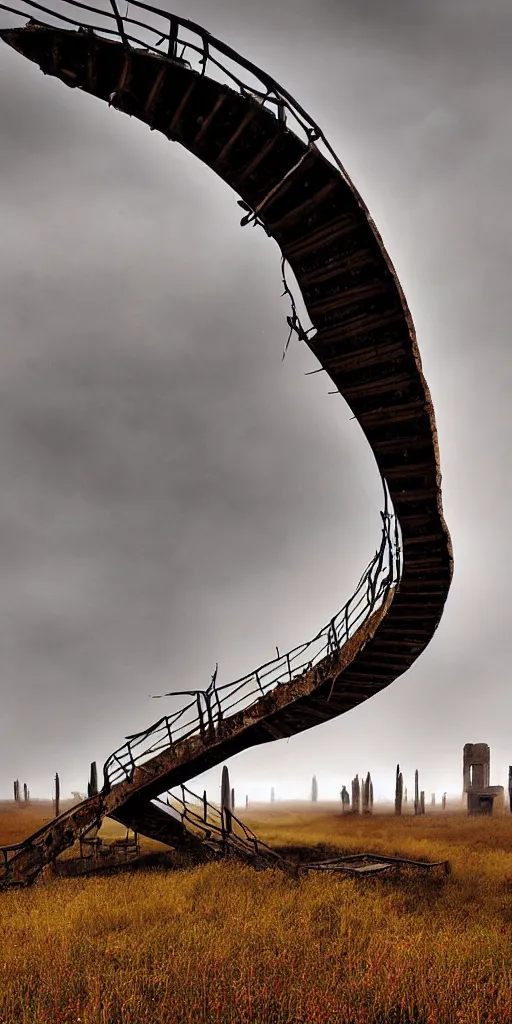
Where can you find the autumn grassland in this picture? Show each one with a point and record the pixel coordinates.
(223, 944)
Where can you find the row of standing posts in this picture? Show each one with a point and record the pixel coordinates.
(401, 796)
(362, 795)
(419, 795)
(92, 789)
(17, 792)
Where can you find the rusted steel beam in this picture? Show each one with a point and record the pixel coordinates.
(180, 110)
(155, 91)
(227, 147)
(399, 413)
(313, 241)
(301, 210)
(369, 357)
(348, 298)
(255, 162)
(219, 103)
(344, 265)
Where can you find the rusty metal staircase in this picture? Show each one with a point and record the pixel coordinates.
(180, 819)
(219, 830)
(196, 90)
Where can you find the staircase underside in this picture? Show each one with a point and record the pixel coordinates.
(364, 341)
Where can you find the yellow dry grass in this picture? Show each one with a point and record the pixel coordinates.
(222, 944)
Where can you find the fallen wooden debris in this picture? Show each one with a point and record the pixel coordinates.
(370, 863)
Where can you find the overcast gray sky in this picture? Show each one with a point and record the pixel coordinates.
(172, 494)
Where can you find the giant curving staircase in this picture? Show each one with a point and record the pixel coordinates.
(252, 133)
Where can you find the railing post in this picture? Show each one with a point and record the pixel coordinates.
(200, 715)
(173, 38)
(346, 619)
(206, 54)
(169, 733)
(398, 559)
(119, 23)
(211, 723)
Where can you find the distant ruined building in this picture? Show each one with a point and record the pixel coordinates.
(482, 797)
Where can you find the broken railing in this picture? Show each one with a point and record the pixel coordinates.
(181, 41)
(221, 829)
(205, 714)
(36, 842)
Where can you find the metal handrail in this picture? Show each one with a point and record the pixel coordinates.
(211, 823)
(204, 50)
(214, 704)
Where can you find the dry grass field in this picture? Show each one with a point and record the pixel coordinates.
(223, 944)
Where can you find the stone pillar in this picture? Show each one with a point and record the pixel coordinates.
(225, 800)
(57, 795)
(92, 785)
(399, 785)
(366, 794)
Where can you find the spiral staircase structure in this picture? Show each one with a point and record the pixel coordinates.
(262, 143)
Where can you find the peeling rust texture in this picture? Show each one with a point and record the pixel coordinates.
(365, 341)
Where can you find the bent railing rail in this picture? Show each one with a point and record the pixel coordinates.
(222, 829)
(205, 715)
(164, 35)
